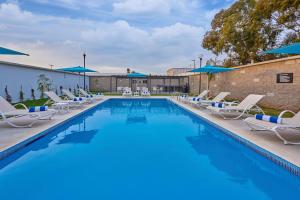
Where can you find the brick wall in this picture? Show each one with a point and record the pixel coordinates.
(258, 78)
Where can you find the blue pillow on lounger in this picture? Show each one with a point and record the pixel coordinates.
(38, 108)
(218, 105)
(268, 118)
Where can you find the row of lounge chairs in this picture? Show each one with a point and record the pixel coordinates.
(143, 92)
(246, 108)
(9, 112)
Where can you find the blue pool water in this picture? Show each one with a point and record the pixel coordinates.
(141, 150)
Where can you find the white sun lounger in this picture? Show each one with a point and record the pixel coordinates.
(95, 96)
(127, 92)
(145, 92)
(71, 96)
(60, 104)
(287, 123)
(219, 98)
(244, 108)
(187, 99)
(8, 112)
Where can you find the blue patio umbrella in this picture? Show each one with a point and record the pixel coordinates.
(288, 49)
(136, 75)
(5, 51)
(211, 69)
(77, 69)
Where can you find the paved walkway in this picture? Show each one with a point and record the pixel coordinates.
(11, 139)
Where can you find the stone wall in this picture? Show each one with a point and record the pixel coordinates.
(258, 78)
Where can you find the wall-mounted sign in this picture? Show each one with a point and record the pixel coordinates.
(285, 78)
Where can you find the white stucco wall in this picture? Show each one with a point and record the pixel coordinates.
(17, 75)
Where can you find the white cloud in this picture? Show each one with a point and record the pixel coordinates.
(62, 40)
(12, 13)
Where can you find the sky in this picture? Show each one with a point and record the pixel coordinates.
(147, 36)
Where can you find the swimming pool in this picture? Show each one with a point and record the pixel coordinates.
(141, 149)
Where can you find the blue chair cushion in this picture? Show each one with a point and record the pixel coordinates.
(38, 108)
(268, 118)
(77, 99)
(218, 105)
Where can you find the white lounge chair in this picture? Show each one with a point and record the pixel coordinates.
(8, 112)
(60, 104)
(71, 96)
(249, 104)
(287, 123)
(219, 98)
(201, 96)
(145, 92)
(94, 96)
(127, 92)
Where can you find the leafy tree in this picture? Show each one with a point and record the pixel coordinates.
(251, 26)
(284, 14)
(44, 84)
(211, 62)
(128, 70)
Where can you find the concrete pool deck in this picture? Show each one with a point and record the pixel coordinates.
(12, 139)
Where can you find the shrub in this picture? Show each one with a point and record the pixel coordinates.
(21, 94)
(7, 96)
(61, 88)
(32, 94)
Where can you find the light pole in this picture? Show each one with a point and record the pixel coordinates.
(200, 59)
(194, 63)
(84, 55)
(200, 81)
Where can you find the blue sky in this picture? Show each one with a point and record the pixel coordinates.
(147, 35)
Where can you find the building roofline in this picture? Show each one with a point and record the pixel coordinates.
(267, 62)
(36, 67)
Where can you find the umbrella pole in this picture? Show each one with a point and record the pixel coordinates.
(207, 81)
(200, 84)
